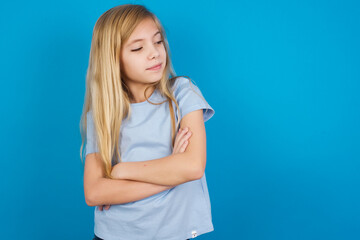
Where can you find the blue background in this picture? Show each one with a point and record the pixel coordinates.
(283, 145)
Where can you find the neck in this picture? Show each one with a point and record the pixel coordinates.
(137, 93)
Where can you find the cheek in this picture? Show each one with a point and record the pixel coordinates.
(129, 64)
(133, 65)
(163, 53)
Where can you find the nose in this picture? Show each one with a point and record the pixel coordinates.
(154, 52)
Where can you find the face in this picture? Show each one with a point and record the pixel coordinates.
(143, 50)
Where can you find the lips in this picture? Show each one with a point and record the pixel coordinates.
(154, 67)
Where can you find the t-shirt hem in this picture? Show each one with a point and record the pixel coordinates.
(199, 231)
(207, 111)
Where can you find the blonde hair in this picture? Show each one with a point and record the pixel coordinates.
(107, 95)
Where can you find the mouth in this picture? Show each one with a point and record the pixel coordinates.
(156, 67)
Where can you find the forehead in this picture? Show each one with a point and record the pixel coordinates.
(146, 29)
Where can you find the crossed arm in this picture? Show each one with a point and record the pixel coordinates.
(138, 180)
(174, 169)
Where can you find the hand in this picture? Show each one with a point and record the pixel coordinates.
(181, 140)
(105, 207)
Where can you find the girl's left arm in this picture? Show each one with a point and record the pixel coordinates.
(174, 169)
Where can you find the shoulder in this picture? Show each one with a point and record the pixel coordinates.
(190, 98)
(179, 83)
(184, 87)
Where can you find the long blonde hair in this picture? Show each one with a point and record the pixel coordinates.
(106, 94)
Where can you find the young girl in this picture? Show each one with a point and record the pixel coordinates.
(145, 134)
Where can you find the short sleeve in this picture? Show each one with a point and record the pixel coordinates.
(190, 98)
(91, 145)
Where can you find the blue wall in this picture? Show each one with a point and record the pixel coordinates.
(283, 145)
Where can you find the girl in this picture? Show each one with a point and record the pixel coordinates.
(137, 120)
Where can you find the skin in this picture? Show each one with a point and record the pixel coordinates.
(137, 57)
(181, 142)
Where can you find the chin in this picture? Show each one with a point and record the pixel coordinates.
(155, 78)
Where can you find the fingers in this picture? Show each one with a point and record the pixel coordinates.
(183, 147)
(179, 134)
(181, 138)
(104, 207)
(184, 138)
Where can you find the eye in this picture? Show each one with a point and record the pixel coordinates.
(135, 50)
(138, 49)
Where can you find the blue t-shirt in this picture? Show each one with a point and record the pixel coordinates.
(179, 213)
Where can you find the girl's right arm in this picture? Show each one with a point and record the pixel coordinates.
(100, 190)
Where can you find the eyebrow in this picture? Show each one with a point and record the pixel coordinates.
(138, 40)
